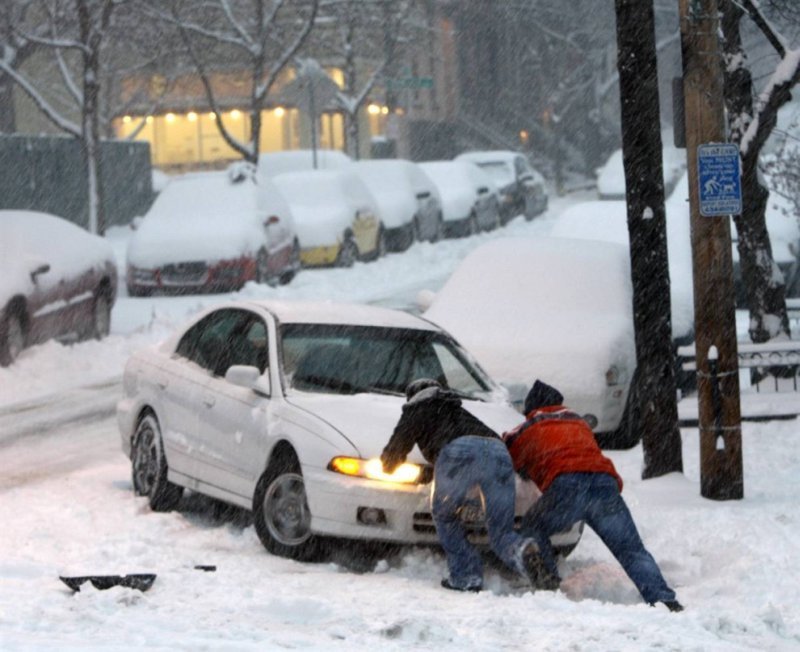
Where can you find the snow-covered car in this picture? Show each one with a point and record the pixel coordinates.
(611, 175)
(283, 408)
(409, 202)
(271, 164)
(213, 232)
(336, 217)
(550, 308)
(469, 198)
(56, 281)
(522, 189)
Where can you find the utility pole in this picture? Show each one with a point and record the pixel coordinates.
(654, 387)
(715, 320)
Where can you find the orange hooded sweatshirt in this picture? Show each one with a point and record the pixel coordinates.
(554, 440)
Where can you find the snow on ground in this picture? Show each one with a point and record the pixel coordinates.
(733, 564)
(72, 511)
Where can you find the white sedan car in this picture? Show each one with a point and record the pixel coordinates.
(549, 308)
(283, 408)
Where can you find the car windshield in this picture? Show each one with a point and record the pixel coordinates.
(354, 359)
(501, 172)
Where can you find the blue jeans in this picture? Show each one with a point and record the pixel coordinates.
(462, 465)
(595, 499)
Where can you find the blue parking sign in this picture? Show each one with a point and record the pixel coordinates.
(719, 179)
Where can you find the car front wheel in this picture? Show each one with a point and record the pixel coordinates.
(281, 515)
(12, 339)
(101, 316)
(149, 467)
(263, 273)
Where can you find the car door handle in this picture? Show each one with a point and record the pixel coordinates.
(209, 400)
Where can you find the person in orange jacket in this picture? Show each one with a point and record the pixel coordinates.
(556, 448)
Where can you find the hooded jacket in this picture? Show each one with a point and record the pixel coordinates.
(431, 419)
(555, 440)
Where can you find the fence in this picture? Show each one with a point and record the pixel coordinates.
(46, 173)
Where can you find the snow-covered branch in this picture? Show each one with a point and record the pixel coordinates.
(41, 103)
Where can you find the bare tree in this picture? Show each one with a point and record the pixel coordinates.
(752, 120)
(367, 38)
(76, 34)
(262, 37)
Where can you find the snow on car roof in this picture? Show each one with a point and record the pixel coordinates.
(271, 164)
(332, 312)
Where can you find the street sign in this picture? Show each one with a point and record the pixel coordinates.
(719, 179)
(415, 83)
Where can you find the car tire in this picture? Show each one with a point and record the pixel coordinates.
(149, 467)
(473, 228)
(263, 274)
(12, 337)
(100, 325)
(348, 253)
(380, 244)
(438, 233)
(294, 265)
(281, 515)
(627, 434)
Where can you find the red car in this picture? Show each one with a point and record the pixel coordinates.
(56, 281)
(213, 232)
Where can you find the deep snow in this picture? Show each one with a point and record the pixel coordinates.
(733, 564)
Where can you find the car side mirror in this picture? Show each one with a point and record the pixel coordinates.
(249, 378)
(483, 190)
(42, 269)
(425, 299)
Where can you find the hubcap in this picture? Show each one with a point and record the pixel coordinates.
(286, 512)
(16, 338)
(145, 461)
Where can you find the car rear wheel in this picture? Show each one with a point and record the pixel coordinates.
(294, 264)
(12, 338)
(473, 227)
(281, 514)
(348, 253)
(263, 273)
(149, 467)
(101, 316)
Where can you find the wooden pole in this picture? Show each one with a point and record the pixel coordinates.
(715, 317)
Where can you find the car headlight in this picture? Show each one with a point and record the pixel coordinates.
(140, 275)
(406, 473)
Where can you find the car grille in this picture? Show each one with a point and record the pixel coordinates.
(184, 273)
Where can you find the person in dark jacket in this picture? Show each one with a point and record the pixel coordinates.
(466, 454)
(556, 449)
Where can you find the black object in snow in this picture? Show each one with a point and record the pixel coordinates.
(140, 581)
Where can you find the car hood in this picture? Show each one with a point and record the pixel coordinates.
(368, 420)
(318, 226)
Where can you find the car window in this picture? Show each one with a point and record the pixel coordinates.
(225, 338)
(352, 359)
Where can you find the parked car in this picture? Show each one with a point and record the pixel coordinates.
(603, 220)
(271, 164)
(522, 189)
(283, 408)
(408, 200)
(549, 308)
(213, 232)
(469, 199)
(336, 217)
(56, 281)
(611, 175)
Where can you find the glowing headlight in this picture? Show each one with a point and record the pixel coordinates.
(406, 473)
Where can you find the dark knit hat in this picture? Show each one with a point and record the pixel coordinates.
(542, 395)
(419, 384)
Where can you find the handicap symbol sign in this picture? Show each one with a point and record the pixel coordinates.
(719, 179)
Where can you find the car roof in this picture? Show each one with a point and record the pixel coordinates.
(332, 312)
